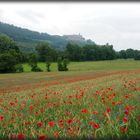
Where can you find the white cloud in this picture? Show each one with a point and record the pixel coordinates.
(116, 23)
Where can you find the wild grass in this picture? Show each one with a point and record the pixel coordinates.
(110, 65)
(100, 102)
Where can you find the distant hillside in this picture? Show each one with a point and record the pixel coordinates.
(27, 39)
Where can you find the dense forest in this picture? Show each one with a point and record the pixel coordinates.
(12, 56)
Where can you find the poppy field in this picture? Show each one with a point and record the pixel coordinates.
(70, 105)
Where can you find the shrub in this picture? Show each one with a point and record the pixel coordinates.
(48, 63)
(137, 56)
(36, 69)
(62, 64)
(7, 63)
(19, 68)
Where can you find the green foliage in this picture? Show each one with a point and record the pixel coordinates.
(28, 39)
(65, 63)
(36, 69)
(48, 63)
(19, 68)
(130, 53)
(10, 56)
(7, 63)
(137, 56)
(73, 52)
(59, 64)
(33, 63)
(7, 44)
(122, 54)
(90, 52)
(62, 64)
(33, 60)
(54, 46)
(44, 50)
(79, 99)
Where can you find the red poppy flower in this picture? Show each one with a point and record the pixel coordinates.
(56, 135)
(125, 86)
(37, 113)
(105, 114)
(128, 107)
(1, 118)
(71, 133)
(108, 110)
(12, 136)
(0, 101)
(67, 113)
(13, 114)
(70, 102)
(139, 118)
(84, 111)
(12, 104)
(135, 89)
(16, 100)
(40, 124)
(70, 96)
(5, 107)
(51, 123)
(79, 128)
(61, 124)
(77, 121)
(91, 122)
(61, 121)
(114, 94)
(126, 96)
(113, 103)
(96, 125)
(20, 136)
(126, 112)
(125, 120)
(42, 137)
(69, 121)
(26, 122)
(31, 108)
(23, 104)
(124, 130)
(94, 112)
(69, 128)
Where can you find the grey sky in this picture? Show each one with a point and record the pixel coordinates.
(116, 23)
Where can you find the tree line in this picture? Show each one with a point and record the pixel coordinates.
(11, 58)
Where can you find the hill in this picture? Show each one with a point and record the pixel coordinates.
(27, 39)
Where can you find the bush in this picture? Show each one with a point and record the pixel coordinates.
(137, 56)
(19, 68)
(65, 63)
(48, 63)
(10, 55)
(62, 64)
(33, 63)
(48, 66)
(7, 63)
(36, 69)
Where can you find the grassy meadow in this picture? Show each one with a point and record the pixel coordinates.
(119, 64)
(93, 100)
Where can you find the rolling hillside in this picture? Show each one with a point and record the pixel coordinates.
(27, 39)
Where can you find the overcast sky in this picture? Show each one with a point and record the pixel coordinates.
(115, 23)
